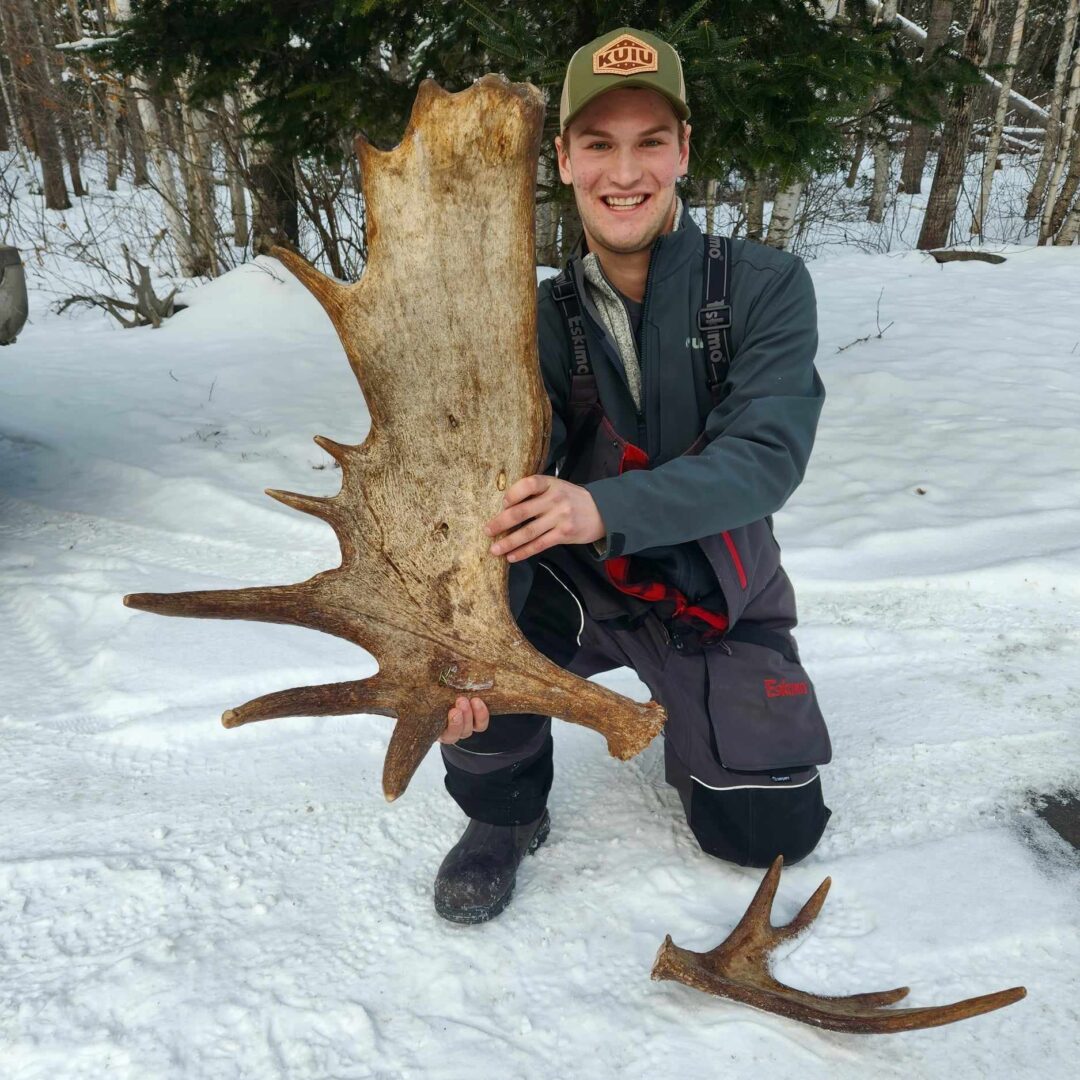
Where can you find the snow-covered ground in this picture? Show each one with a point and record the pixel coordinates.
(178, 900)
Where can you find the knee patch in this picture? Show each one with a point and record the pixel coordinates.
(751, 826)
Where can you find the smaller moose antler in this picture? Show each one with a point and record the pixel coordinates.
(739, 969)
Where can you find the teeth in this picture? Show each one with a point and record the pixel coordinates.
(611, 200)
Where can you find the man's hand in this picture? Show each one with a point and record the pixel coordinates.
(467, 715)
(542, 511)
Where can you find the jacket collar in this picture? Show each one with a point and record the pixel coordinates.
(670, 251)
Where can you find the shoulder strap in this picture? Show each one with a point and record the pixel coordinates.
(714, 317)
(584, 405)
(564, 293)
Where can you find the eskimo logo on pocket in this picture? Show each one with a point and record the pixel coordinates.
(781, 688)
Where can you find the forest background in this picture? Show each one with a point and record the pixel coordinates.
(216, 129)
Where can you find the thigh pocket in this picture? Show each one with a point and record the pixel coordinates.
(763, 709)
(552, 619)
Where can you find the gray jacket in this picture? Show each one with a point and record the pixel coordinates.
(759, 436)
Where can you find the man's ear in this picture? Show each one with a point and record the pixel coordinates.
(684, 151)
(563, 155)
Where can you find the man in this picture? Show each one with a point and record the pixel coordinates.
(684, 401)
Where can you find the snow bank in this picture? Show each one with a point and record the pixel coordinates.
(177, 900)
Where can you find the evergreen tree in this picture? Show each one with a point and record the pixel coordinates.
(319, 72)
(774, 87)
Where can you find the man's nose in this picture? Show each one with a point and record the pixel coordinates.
(625, 168)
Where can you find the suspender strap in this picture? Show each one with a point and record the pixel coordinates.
(583, 407)
(714, 317)
(714, 325)
(565, 295)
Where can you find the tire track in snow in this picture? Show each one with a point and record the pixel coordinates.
(144, 546)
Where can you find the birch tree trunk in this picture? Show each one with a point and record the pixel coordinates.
(911, 30)
(710, 206)
(31, 69)
(1057, 100)
(272, 182)
(14, 122)
(754, 194)
(136, 137)
(236, 169)
(5, 122)
(196, 141)
(20, 95)
(114, 146)
(882, 157)
(69, 137)
(857, 155)
(547, 217)
(882, 164)
(994, 142)
(949, 174)
(782, 222)
(1070, 228)
(570, 230)
(96, 86)
(111, 107)
(165, 177)
(1068, 188)
(1064, 150)
(918, 143)
(163, 167)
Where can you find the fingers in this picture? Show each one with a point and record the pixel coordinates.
(544, 539)
(510, 518)
(481, 716)
(464, 718)
(558, 513)
(526, 487)
(512, 545)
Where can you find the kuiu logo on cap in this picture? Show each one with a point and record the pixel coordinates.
(626, 55)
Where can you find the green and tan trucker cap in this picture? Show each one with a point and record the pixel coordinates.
(622, 57)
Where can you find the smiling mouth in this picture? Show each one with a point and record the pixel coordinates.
(624, 203)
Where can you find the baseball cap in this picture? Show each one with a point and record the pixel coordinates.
(622, 57)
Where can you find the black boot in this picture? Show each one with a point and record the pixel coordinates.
(476, 879)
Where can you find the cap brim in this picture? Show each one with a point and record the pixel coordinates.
(681, 110)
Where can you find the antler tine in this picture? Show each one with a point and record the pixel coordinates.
(371, 696)
(756, 924)
(411, 740)
(316, 505)
(807, 913)
(331, 294)
(738, 969)
(338, 451)
(265, 603)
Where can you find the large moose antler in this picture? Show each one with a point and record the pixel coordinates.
(441, 335)
(738, 968)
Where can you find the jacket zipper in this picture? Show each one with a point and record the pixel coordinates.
(733, 551)
(640, 342)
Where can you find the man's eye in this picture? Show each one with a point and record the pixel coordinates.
(593, 146)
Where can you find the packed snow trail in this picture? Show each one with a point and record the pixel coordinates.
(178, 900)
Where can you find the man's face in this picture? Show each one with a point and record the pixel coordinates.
(622, 154)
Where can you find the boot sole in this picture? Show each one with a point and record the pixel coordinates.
(473, 915)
